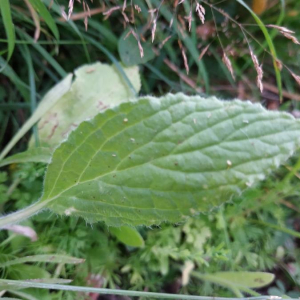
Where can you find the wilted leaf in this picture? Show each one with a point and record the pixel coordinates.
(165, 159)
(128, 235)
(95, 87)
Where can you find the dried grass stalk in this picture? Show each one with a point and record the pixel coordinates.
(259, 71)
(296, 77)
(228, 65)
(200, 10)
(203, 52)
(185, 61)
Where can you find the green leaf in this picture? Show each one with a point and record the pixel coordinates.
(96, 87)
(42, 10)
(130, 53)
(128, 235)
(8, 25)
(40, 154)
(55, 258)
(163, 159)
(245, 279)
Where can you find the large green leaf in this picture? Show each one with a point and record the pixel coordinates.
(163, 159)
(96, 87)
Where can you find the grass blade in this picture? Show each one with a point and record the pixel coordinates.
(270, 44)
(26, 284)
(28, 60)
(277, 227)
(9, 26)
(20, 85)
(44, 53)
(40, 7)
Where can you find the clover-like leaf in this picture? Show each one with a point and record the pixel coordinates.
(164, 159)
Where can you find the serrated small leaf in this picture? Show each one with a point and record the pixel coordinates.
(130, 53)
(128, 236)
(40, 154)
(164, 159)
(95, 87)
(251, 280)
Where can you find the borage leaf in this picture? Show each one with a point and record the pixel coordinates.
(164, 159)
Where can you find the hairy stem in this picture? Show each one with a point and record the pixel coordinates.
(22, 215)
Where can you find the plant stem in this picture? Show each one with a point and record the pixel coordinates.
(30, 284)
(22, 215)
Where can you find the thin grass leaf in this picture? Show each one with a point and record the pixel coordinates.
(52, 258)
(40, 7)
(28, 60)
(44, 53)
(270, 44)
(20, 85)
(8, 25)
(277, 227)
(129, 293)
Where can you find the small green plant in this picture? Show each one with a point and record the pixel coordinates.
(156, 160)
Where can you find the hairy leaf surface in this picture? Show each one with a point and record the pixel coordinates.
(164, 159)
